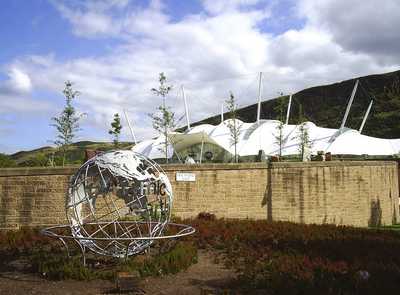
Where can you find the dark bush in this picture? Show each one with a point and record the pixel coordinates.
(206, 216)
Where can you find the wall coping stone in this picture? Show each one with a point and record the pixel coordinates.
(313, 164)
(33, 171)
(215, 166)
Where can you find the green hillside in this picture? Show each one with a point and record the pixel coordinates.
(326, 105)
(76, 154)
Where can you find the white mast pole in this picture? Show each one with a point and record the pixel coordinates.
(288, 110)
(130, 127)
(201, 150)
(186, 108)
(259, 98)
(349, 105)
(222, 113)
(365, 116)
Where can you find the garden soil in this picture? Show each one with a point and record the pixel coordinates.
(205, 277)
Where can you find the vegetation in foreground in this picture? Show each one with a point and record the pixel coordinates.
(47, 257)
(271, 257)
(287, 258)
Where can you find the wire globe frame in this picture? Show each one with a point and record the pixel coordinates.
(118, 203)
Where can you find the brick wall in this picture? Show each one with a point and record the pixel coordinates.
(350, 193)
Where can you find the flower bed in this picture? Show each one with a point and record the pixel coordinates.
(274, 257)
(288, 258)
(47, 257)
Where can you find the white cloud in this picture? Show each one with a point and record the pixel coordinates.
(93, 18)
(15, 93)
(313, 55)
(90, 23)
(111, 18)
(18, 104)
(219, 6)
(198, 51)
(194, 50)
(18, 82)
(366, 26)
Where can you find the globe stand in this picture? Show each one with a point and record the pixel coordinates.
(59, 232)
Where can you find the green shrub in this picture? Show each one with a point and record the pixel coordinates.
(56, 266)
(6, 161)
(179, 258)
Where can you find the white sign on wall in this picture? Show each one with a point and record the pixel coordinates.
(185, 176)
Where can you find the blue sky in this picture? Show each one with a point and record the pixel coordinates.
(113, 51)
(36, 27)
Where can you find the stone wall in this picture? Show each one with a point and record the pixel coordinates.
(227, 190)
(349, 193)
(33, 196)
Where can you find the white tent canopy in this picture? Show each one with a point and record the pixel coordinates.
(262, 136)
(153, 148)
(354, 143)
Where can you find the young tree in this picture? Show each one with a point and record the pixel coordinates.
(279, 136)
(164, 118)
(280, 140)
(233, 125)
(67, 123)
(305, 144)
(115, 130)
(280, 106)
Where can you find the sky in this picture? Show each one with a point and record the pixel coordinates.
(113, 51)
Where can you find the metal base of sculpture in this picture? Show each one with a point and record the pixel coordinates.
(117, 247)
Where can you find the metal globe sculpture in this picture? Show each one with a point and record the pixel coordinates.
(118, 203)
